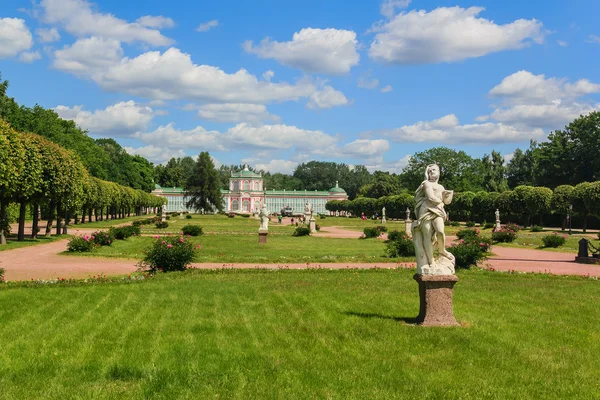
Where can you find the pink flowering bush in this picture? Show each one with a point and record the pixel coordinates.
(470, 249)
(103, 238)
(554, 240)
(506, 234)
(169, 253)
(81, 244)
(1, 275)
(467, 233)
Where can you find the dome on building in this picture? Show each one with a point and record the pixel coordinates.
(245, 173)
(337, 189)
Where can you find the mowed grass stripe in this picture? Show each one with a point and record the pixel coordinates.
(313, 334)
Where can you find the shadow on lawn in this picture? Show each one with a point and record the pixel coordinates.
(406, 320)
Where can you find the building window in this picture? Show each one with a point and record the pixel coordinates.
(234, 205)
(246, 185)
(236, 185)
(246, 205)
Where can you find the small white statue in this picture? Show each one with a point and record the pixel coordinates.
(497, 216)
(264, 218)
(428, 229)
(383, 212)
(407, 214)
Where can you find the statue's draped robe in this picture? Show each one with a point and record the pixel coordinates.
(427, 210)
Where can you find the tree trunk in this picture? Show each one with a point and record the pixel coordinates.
(563, 224)
(541, 220)
(22, 210)
(90, 215)
(585, 223)
(2, 222)
(83, 214)
(36, 221)
(65, 225)
(51, 209)
(58, 218)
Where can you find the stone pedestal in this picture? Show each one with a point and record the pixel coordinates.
(435, 292)
(497, 227)
(262, 236)
(383, 220)
(312, 224)
(407, 227)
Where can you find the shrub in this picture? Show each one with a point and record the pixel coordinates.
(371, 232)
(467, 233)
(399, 244)
(162, 225)
(172, 253)
(470, 224)
(554, 240)
(382, 228)
(512, 227)
(488, 225)
(103, 238)
(124, 232)
(245, 215)
(301, 231)
(167, 217)
(454, 223)
(81, 244)
(537, 228)
(468, 253)
(317, 227)
(188, 216)
(231, 215)
(598, 235)
(322, 216)
(1, 275)
(504, 235)
(192, 230)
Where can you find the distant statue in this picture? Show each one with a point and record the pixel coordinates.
(407, 214)
(428, 229)
(264, 218)
(497, 215)
(383, 212)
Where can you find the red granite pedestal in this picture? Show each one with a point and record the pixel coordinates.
(262, 237)
(435, 292)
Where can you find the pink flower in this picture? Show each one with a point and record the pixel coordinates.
(156, 237)
(164, 242)
(180, 240)
(169, 246)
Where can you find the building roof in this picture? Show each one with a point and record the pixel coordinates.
(337, 189)
(168, 190)
(245, 173)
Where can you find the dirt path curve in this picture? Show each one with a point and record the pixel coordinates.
(44, 262)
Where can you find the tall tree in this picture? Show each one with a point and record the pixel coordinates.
(494, 172)
(203, 187)
(519, 170)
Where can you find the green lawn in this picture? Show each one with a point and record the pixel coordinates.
(300, 334)
(279, 249)
(109, 223)
(11, 242)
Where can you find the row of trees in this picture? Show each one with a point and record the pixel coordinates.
(521, 205)
(102, 158)
(36, 172)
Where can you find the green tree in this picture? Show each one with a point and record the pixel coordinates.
(519, 170)
(562, 200)
(202, 188)
(384, 184)
(494, 172)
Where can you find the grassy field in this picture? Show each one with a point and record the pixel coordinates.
(300, 334)
(245, 249)
(11, 242)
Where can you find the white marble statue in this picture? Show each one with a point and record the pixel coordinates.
(428, 228)
(407, 214)
(264, 218)
(497, 216)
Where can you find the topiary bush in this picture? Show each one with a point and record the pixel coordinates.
(536, 228)
(171, 253)
(370, 233)
(467, 233)
(192, 230)
(301, 231)
(103, 238)
(399, 244)
(470, 224)
(162, 225)
(188, 216)
(81, 244)
(168, 217)
(554, 240)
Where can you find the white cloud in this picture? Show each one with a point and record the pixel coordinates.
(30, 56)
(562, 43)
(366, 83)
(47, 35)
(388, 7)
(157, 155)
(448, 34)
(206, 26)
(268, 75)
(277, 136)
(168, 136)
(394, 167)
(15, 37)
(448, 130)
(275, 166)
(157, 22)
(88, 56)
(329, 51)
(235, 112)
(326, 98)
(593, 39)
(386, 89)
(363, 148)
(536, 101)
(121, 119)
(79, 19)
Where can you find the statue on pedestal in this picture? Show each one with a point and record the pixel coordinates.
(428, 228)
(264, 218)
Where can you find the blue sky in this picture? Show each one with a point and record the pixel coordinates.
(274, 83)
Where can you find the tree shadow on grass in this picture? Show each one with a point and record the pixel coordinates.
(406, 320)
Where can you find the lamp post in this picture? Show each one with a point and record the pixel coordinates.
(570, 217)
